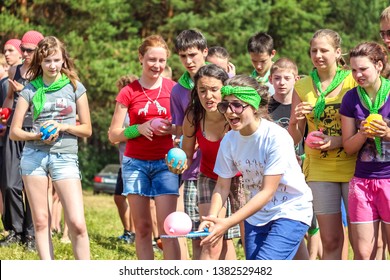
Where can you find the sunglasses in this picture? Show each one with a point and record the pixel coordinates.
(235, 107)
(384, 34)
(26, 50)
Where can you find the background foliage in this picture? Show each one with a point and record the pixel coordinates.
(103, 38)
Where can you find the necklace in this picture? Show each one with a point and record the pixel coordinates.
(160, 109)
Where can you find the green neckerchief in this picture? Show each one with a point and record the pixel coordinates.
(380, 99)
(320, 104)
(39, 98)
(186, 81)
(247, 94)
(261, 80)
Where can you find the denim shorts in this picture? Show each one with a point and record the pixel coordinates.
(59, 166)
(277, 240)
(148, 178)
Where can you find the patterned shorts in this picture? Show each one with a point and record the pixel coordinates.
(205, 190)
(191, 202)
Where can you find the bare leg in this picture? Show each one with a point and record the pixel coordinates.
(70, 193)
(36, 188)
(165, 205)
(302, 253)
(182, 241)
(140, 206)
(123, 210)
(364, 240)
(332, 235)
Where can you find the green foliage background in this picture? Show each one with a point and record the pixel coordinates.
(103, 38)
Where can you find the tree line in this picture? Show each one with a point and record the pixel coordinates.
(103, 37)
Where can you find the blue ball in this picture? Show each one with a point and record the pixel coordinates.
(178, 155)
(46, 133)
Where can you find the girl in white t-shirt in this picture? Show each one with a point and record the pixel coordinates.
(278, 211)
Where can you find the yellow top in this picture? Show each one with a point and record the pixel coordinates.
(333, 165)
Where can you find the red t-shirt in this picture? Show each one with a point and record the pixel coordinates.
(141, 109)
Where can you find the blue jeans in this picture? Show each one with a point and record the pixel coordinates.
(148, 178)
(59, 166)
(277, 240)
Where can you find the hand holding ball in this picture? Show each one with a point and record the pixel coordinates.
(312, 138)
(369, 119)
(157, 124)
(178, 155)
(177, 223)
(47, 131)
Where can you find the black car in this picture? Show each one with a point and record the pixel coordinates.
(105, 180)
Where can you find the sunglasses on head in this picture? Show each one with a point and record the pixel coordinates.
(26, 50)
(384, 34)
(235, 107)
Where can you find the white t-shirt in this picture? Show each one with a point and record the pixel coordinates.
(268, 151)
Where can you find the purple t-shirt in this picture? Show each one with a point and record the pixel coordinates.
(180, 98)
(369, 164)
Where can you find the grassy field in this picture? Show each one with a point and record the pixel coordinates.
(104, 227)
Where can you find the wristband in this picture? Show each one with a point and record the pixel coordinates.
(131, 131)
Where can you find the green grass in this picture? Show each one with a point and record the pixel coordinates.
(104, 227)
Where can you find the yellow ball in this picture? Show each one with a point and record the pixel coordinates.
(370, 118)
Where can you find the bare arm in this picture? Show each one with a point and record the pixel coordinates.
(297, 123)
(189, 143)
(8, 101)
(269, 187)
(116, 130)
(16, 131)
(84, 129)
(352, 139)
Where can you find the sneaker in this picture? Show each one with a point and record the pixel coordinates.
(12, 238)
(29, 243)
(128, 237)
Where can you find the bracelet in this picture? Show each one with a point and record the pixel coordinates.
(131, 131)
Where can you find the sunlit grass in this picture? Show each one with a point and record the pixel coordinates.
(104, 227)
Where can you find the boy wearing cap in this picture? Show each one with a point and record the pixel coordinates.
(12, 56)
(17, 218)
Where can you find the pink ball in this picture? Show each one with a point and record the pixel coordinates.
(177, 223)
(313, 138)
(156, 124)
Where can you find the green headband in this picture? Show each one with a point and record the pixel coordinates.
(247, 94)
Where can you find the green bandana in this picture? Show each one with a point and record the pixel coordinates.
(186, 81)
(247, 94)
(39, 98)
(320, 104)
(380, 98)
(261, 80)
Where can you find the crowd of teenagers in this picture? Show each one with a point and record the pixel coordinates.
(292, 166)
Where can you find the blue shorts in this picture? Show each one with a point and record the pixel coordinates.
(59, 166)
(277, 240)
(148, 178)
